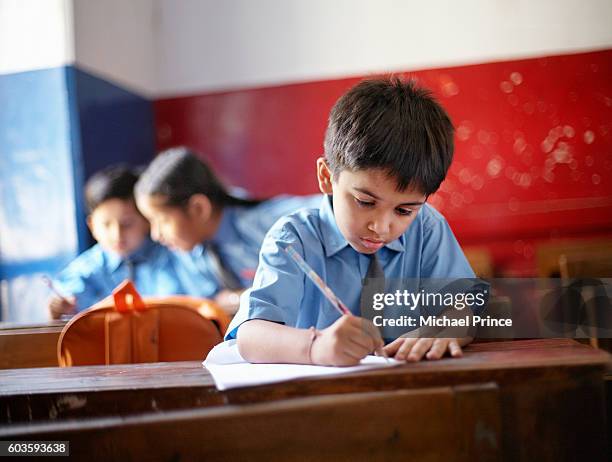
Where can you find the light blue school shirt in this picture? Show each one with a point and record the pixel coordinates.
(238, 240)
(282, 293)
(94, 274)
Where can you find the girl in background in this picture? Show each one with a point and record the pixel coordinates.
(219, 234)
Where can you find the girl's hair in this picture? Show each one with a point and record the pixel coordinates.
(178, 173)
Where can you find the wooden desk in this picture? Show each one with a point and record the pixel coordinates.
(29, 345)
(551, 392)
(441, 423)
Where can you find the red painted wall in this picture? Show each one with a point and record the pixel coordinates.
(533, 148)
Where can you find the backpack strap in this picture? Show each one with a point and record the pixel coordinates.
(127, 298)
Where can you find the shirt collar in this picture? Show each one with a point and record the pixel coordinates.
(114, 261)
(333, 240)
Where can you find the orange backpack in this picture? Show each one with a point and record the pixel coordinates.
(125, 328)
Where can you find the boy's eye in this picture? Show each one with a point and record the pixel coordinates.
(403, 212)
(364, 203)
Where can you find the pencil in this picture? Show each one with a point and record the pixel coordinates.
(49, 283)
(324, 288)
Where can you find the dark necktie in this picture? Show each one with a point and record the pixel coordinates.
(131, 269)
(223, 274)
(373, 283)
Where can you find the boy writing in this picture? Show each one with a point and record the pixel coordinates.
(124, 249)
(388, 146)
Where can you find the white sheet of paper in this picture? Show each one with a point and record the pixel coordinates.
(230, 370)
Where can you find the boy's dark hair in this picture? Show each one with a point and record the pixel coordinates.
(393, 125)
(178, 173)
(114, 182)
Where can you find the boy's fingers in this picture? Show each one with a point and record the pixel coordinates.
(455, 349)
(419, 349)
(369, 328)
(405, 348)
(353, 353)
(438, 349)
(392, 348)
(364, 342)
(374, 338)
(365, 329)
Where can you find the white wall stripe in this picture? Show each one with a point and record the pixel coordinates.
(211, 45)
(166, 47)
(35, 34)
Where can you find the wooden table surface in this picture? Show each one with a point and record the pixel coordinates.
(547, 395)
(484, 358)
(39, 393)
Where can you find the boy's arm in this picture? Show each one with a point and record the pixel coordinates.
(264, 325)
(442, 256)
(269, 342)
(344, 343)
(278, 286)
(78, 281)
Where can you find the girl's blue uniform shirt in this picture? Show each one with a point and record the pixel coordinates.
(282, 293)
(238, 240)
(94, 274)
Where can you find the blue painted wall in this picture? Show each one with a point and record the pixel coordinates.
(37, 208)
(57, 127)
(114, 125)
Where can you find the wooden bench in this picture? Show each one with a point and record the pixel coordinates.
(453, 423)
(29, 345)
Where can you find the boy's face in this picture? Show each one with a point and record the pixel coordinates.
(118, 226)
(369, 210)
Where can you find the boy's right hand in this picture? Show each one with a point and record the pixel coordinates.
(345, 342)
(59, 306)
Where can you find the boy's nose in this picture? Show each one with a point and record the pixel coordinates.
(115, 232)
(380, 225)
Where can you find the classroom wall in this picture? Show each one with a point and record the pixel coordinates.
(207, 45)
(35, 35)
(528, 85)
(116, 41)
(114, 74)
(38, 227)
(250, 85)
(60, 122)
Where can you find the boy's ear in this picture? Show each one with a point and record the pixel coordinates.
(200, 206)
(90, 223)
(324, 176)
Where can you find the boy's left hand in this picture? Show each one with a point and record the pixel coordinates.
(414, 349)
